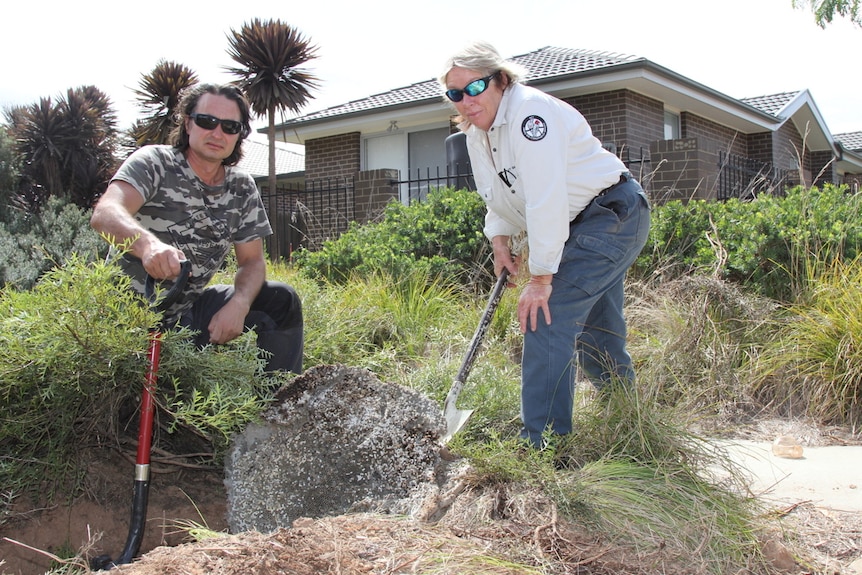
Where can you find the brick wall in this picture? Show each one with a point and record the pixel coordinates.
(823, 168)
(682, 170)
(333, 156)
(623, 118)
(713, 137)
(760, 147)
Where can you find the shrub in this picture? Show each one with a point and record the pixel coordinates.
(763, 244)
(814, 362)
(34, 243)
(72, 363)
(439, 237)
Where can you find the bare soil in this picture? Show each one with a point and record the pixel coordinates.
(98, 520)
(505, 533)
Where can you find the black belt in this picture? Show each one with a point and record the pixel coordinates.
(624, 177)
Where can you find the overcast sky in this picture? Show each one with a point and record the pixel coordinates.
(742, 48)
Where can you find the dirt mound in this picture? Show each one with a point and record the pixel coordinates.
(451, 524)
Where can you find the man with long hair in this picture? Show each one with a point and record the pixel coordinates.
(188, 201)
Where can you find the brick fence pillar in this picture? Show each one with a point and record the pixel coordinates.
(682, 170)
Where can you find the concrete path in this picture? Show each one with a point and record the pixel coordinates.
(829, 476)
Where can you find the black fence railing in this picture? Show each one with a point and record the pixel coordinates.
(638, 161)
(415, 188)
(322, 209)
(309, 214)
(744, 178)
(460, 175)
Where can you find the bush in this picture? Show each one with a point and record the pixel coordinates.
(813, 364)
(763, 244)
(439, 237)
(73, 356)
(34, 243)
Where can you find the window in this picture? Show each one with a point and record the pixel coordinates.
(419, 156)
(671, 126)
(427, 159)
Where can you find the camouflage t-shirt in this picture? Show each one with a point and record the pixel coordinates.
(181, 210)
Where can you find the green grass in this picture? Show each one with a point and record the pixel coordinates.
(813, 365)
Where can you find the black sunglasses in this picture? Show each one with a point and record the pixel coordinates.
(474, 88)
(208, 122)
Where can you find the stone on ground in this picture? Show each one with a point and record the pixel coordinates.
(336, 439)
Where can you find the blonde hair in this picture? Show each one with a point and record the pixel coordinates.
(485, 59)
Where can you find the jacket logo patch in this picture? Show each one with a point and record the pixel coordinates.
(534, 128)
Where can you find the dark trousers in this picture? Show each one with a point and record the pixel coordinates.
(275, 315)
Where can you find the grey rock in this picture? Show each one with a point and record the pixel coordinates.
(336, 439)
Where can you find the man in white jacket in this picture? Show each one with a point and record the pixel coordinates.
(540, 170)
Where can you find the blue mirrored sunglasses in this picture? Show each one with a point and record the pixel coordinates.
(474, 88)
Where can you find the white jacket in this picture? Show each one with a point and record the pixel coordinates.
(539, 166)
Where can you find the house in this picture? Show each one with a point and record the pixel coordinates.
(680, 138)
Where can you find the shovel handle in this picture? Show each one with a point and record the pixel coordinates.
(481, 330)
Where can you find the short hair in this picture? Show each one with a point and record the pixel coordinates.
(186, 107)
(485, 59)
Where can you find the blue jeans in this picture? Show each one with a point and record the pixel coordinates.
(586, 304)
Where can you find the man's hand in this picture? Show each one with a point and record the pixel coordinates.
(114, 217)
(228, 323)
(162, 261)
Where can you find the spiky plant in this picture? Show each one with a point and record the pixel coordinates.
(271, 56)
(66, 147)
(158, 95)
(814, 363)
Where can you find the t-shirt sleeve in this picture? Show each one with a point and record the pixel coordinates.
(254, 223)
(144, 170)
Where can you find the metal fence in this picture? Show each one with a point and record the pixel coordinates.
(415, 188)
(741, 177)
(307, 215)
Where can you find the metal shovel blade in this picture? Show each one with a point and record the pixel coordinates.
(457, 418)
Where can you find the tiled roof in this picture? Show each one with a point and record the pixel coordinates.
(550, 61)
(541, 64)
(771, 104)
(255, 158)
(850, 140)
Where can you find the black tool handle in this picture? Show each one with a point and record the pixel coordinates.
(174, 293)
(479, 336)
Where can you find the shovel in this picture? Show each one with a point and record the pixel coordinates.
(456, 418)
(145, 427)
